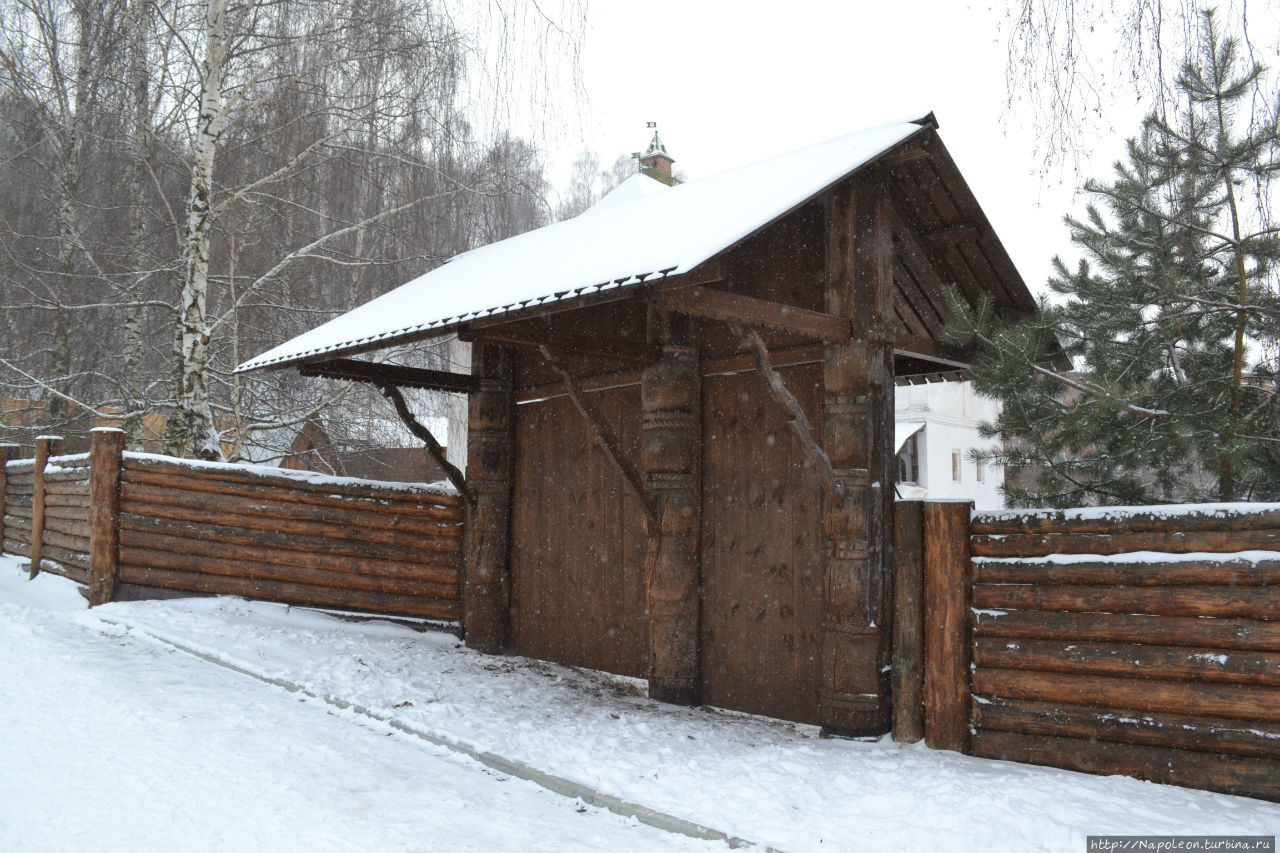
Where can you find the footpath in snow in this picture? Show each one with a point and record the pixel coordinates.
(99, 703)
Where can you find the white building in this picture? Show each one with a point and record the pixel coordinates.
(936, 428)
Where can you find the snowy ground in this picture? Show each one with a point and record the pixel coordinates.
(113, 739)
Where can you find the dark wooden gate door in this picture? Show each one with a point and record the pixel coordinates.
(577, 554)
(762, 544)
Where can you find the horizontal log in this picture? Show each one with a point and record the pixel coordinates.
(73, 559)
(1178, 731)
(146, 558)
(20, 468)
(750, 311)
(401, 376)
(398, 542)
(1170, 573)
(212, 548)
(67, 527)
(1131, 659)
(18, 522)
(350, 518)
(19, 492)
(296, 594)
(1238, 702)
(422, 509)
(70, 477)
(81, 502)
(1251, 777)
(390, 494)
(13, 546)
(69, 460)
(78, 487)
(79, 574)
(1171, 542)
(276, 540)
(1217, 601)
(69, 513)
(77, 544)
(1137, 522)
(1242, 634)
(22, 511)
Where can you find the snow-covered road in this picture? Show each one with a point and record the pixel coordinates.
(111, 739)
(112, 743)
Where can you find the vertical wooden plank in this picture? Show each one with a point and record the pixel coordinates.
(908, 621)
(671, 453)
(946, 639)
(490, 460)
(46, 446)
(858, 417)
(106, 451)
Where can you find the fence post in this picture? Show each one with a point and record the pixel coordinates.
(46, 446)
(908, 621)
(106, 450)
(946, 642)
(6, 453)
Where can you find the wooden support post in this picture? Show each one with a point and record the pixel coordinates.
(490, 465)
(908, 621)
(46, 446)
(857, 436)
(106, 452)
(671, 399)
(6, 453)
(946, 640)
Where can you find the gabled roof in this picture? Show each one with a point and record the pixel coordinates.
(642, 234)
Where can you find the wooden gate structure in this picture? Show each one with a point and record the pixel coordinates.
(680, 461)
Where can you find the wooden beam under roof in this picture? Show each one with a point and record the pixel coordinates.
(749, 311)
(926, 349)
(577, 343)
(400, 376)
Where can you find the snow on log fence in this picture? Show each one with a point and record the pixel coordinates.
(1141, 642)
(130, 523)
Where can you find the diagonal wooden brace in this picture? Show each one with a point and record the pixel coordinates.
(799, 422)
(606, 438)
(392, 393)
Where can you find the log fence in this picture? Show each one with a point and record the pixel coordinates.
(1143, 642)
(130, 524)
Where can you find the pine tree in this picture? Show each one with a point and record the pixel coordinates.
(1167, 317)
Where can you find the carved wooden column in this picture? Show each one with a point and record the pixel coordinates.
(671, 398)
(858, 425)
(490, 463)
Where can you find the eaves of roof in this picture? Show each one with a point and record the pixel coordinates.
(662, 234)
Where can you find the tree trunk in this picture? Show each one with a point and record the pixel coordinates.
(193, 390)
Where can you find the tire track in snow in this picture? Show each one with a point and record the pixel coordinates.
(518, 769)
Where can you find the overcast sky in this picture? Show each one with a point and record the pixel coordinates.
(731, 82)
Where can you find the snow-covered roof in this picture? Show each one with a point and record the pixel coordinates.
(657, 149)
(642, 234)
(634, 188)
